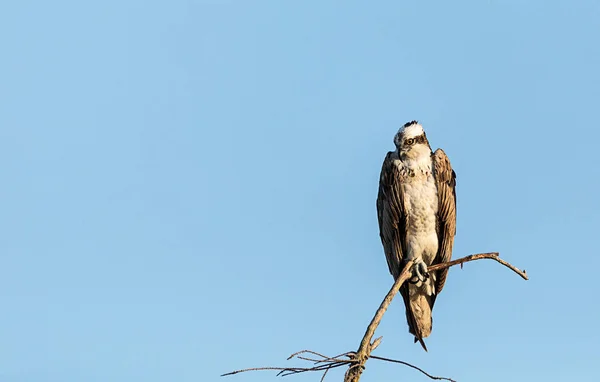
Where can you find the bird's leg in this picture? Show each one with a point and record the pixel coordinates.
(419, 272)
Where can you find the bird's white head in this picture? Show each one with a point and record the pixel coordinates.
(411, 141)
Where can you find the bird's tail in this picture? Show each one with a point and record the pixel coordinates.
(418, 314)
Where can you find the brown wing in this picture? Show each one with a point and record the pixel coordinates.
(390, 213)
(445, 179)
(392, 228)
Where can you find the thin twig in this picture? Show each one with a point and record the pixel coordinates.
(489, 255)
(306, 351)
(259, 368)
(413, 366)
(307, 359)
(331, 360)
(337, 358)
(318, 368)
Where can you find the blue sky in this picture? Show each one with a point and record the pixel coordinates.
(189, 186)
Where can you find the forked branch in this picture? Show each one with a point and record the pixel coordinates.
(356, 360)
(364, 352)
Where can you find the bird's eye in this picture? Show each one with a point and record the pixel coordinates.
(410, 141)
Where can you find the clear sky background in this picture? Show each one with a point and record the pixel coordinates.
(188, 187)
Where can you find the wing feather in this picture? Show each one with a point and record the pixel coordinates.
(392, 229)
(391, 216)
(445, 179)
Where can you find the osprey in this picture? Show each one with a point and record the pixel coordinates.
(416, 209)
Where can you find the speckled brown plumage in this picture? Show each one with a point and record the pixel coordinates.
(392, 217)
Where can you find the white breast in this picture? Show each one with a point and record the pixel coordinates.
(421, 206)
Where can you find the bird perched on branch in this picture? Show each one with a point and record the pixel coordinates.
(416, 209)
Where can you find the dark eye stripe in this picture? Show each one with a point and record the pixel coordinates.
(420, 139)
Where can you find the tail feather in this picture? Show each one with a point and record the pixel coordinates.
(422, 342)
(418, 314)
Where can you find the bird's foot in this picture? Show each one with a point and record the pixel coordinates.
(419, 272)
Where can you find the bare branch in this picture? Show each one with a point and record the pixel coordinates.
(260, 368)
(324, 364)
(413, 366)
(364, 351)
(306, 351)
(356, 360)
(479, 256)
(337, 357)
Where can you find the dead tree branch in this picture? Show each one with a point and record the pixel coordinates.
(356, 360)
(364, 349)
(479, 256)
(413, 367)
